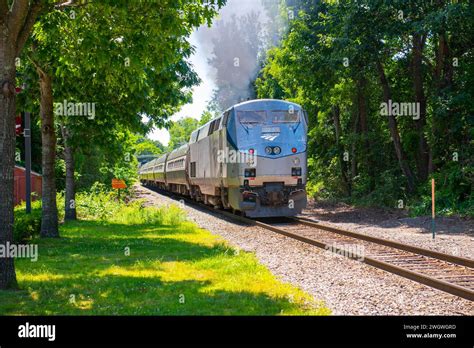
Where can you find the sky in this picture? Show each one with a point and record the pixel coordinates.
(201, 39)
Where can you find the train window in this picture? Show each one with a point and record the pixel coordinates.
(217, 124)
(211, 127)
(251, 117)
(285, 116)
(203, 132)
(193, 170)
(225, 119)
(194, 136)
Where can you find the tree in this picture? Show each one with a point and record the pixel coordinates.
(147, 149)
(17, 19)
(205, 117)
(16, 22)
(91, 35)
(343, 60)
(180, 131)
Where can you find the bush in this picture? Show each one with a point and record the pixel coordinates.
(97, 204)
(27, 226)
(454, 195)
(135, 214)
(103, 205)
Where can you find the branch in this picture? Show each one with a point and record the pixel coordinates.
(25, 32)
(39, 70)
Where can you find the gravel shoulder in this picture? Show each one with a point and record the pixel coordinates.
(347, 287)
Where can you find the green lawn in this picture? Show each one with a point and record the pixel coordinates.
(174, 268)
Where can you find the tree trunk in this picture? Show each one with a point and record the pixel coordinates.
(49, 221)
(364, 128)
(443, 74)
(443, 78)
(422, 158)
(336, 113)
(393, 126)
(7, 153)
(355, 140)
(70, 199)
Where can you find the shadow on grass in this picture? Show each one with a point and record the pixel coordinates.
(118, 295)
(87, 273)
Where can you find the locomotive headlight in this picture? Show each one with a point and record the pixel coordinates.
(268, 150)
(296, 161)
(296, 171)
(276, 150)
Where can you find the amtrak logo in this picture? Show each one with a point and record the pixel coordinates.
(270, 137)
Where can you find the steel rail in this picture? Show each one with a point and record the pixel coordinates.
(462, 261)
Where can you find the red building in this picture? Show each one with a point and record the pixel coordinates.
(20, 185)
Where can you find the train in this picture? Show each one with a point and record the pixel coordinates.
(252, 159)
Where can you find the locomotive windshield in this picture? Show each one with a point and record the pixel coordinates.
(266, 117)
(251, 117)
(285, 116)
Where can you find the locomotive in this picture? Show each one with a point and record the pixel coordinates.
(251, 159)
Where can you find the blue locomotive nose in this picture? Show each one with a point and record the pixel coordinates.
(272, 133)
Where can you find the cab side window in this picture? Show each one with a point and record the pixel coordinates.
(225, 119)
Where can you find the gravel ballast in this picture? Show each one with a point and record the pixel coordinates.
(346, 286)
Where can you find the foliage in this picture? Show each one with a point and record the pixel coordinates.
(333, 61)
(147, 149)
(180, 131)
(127, 60)
(27, 226)
(205, 117)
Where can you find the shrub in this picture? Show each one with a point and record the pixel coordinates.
(27, 226)
(454, 195)
(174, 215)
(135, 214)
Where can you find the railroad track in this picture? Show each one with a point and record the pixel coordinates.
(448, 273)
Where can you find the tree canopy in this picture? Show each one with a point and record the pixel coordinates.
(346, 62)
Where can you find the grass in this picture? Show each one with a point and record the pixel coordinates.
(173, 268)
